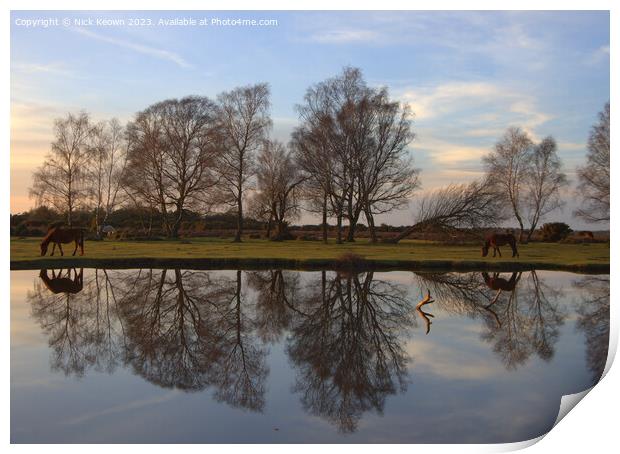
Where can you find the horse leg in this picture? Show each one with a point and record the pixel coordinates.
(53, 249)
(60, 247)
(76, 246)
(499, 252)
(82, 243)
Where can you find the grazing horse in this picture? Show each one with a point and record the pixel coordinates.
(59, 284)
(500, 239)
(59, 235)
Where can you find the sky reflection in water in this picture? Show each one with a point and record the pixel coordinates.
(287, 356)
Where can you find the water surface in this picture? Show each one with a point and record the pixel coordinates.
(160, 356)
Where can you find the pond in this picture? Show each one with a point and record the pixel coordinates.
(187, 356)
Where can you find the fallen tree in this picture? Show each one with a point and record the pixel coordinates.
(457, 206)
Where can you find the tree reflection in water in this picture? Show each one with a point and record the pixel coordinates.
(593, 320)
(346, 343)
(344, 332)
(521, 313)
(78, 319)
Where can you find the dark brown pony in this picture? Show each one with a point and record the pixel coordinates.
(59, 284)
(500, 239)
(59, 235)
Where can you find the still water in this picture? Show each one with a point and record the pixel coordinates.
(179, 356)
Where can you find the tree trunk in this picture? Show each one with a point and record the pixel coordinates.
(164, 220)
(533, 226)
(239, 219)
(269, 227)
(339, 229)
(529, 235)
(521, 230)
(352, 220)
(97, 225)
(177, 222)
(325, 218)
(150, 230)
(281, 230)
(371, 226)
(175, 230)
(351, 231)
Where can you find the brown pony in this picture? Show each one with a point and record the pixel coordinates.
(58, 235)
(59, 284)
(500, 239)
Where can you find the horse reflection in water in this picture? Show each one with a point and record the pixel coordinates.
(521, 316)
(67, 284)
(344, 333)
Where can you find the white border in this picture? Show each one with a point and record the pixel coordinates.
(591, 427)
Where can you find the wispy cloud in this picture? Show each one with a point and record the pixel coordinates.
(122, 408)
(161, 54)
(38, 68)
(481, 108)
(598, 56)
(457, 123)
(345, 36)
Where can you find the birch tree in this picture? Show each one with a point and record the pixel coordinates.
(60, 181)
(594, 177)
(243, 124)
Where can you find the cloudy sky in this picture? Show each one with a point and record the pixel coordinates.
(467, 75)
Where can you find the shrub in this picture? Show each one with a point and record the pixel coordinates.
(555, 231)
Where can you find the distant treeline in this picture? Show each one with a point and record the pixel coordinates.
(132, 222)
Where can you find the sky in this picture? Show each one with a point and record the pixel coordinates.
(467, 76)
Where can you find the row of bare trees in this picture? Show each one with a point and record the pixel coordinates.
(348, 157)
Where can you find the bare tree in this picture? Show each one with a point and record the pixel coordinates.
(352, 142)
(172, 157)
(595, 175)
(311, 154)
(508, 169)
(59, 181)
(325, 144)
(384, 169)
(108, 163)
(279, 181)
(243, 124)
(473, 205)
(544, 183)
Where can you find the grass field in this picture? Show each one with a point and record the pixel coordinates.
(25, 253)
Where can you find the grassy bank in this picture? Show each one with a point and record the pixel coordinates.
(204, 253)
